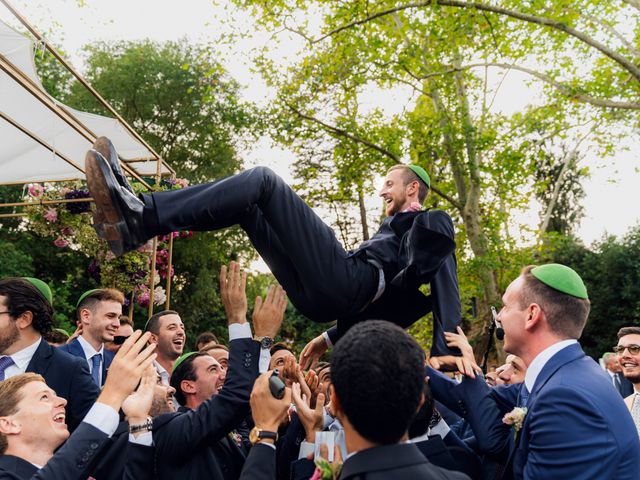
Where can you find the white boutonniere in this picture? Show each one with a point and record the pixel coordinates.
(515, 418)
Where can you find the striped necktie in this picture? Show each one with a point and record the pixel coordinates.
(5, 362)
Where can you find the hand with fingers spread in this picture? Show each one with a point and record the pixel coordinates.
(311, 380)
(127, 367)
(136, 406)
(268, 315)
(312, 352)
(233, 283)
(312, 419)
(466, 364)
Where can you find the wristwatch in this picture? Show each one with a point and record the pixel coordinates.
(256, 434)
(265, 342)
(143, 427)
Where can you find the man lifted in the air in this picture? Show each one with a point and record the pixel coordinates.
(378, 280)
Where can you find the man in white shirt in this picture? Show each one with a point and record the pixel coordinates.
(26, 315)
(628, 350)
(99, 312)
(167, 332)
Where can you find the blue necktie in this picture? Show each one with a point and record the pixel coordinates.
(524, 396)
(95, 370)
(5, 362)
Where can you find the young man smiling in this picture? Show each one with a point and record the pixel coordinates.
(628, 350)
(167, 332)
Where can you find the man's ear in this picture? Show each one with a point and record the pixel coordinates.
(85, 316)
(336, 406)
(535, 315)
(8, 426)
(24, 320)
(188, 386)
(153, 338)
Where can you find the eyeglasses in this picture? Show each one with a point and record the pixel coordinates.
(633, 349)
(5, 312)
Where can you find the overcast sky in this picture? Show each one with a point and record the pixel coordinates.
(613, 191)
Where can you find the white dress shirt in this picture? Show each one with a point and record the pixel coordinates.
(89, 353)
(243, 330)
(541, 360)
(21, 360)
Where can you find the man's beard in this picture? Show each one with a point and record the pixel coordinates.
(160, 405)
(633, 378)
(9, 337)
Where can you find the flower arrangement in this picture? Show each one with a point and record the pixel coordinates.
(69, 226)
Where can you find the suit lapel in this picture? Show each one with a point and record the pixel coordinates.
(39, 363)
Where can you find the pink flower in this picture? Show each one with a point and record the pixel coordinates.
(60, 242)
(143, 299)
(36, 190)
(183, 182)
(51, 215)
(317, 474)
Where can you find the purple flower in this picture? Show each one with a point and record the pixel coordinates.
(77, 207)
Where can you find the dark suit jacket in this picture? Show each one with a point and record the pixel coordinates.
(626, 387)
(413, 248)
(195, 443)
(573, 413)
(69, 377)
(70, 461)
(260, 464)
(75, 349)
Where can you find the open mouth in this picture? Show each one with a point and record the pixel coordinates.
(178, 342)
(59, 418)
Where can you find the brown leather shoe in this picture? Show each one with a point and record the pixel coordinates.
(118, 215)
(105, 148)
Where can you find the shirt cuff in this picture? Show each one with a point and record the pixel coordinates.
(265, 359)
(240, 330)
(305, 449)
(266, 444)
(103, 417)
(327, 340)
(145, 439)
(441, 428)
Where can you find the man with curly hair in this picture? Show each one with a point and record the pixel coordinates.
(26, 315)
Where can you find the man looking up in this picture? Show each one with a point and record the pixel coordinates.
(167, 332)
(196, 377)
(98, 312)
(25, 316)
(380, 279)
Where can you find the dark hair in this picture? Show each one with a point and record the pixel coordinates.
(567, 315)
(124, 320)
(22, 297)
(631, 330)
(185, 371)
(420, 423)
(153, 324)
(56, 336)
(320, 366)
(377, 371)
(409, 176)
(204, 338)
(99, 295)
(280, 346)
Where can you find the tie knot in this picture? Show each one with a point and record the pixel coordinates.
(96, 359)
(6, 362)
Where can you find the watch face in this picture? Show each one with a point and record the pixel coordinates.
(266, 343)
(253, 435)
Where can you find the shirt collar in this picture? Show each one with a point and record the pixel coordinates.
(88, 349)
(541, 360)
(22, 358)
(164, 375)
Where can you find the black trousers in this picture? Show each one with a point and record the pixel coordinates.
(320, 278)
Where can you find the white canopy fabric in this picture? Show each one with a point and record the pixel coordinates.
(24, 159)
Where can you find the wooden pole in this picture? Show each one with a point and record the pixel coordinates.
(169, 266)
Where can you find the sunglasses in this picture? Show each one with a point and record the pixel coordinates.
(633, 349)
(119, 339)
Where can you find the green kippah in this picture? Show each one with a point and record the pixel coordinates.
(561, 278)
(421, 173)
(62, 330)
(181, 359)
(85, 295)
(42, 287)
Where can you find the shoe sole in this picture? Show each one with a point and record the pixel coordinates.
(108, 219)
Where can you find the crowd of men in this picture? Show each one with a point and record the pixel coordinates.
(112, 401)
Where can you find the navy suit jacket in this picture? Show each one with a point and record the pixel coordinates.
(195, 443)
(576, 425)
(75, 349)
(69, 377)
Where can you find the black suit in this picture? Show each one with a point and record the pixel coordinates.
(322, 280)
(623, 386)
(195, 443)
(69, 377)
(70, 462)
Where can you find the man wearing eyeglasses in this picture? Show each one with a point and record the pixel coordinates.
(628, 350)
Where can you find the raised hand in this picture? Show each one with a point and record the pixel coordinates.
(312, 352)
(312, 419)
(233, 283)
(268, 411)
(268, 315)
(136, 406)
(466, 364)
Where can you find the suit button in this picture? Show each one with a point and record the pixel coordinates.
(94, 445)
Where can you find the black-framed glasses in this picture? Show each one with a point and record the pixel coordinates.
(6, 312)
(119, 339)
(633, 349)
